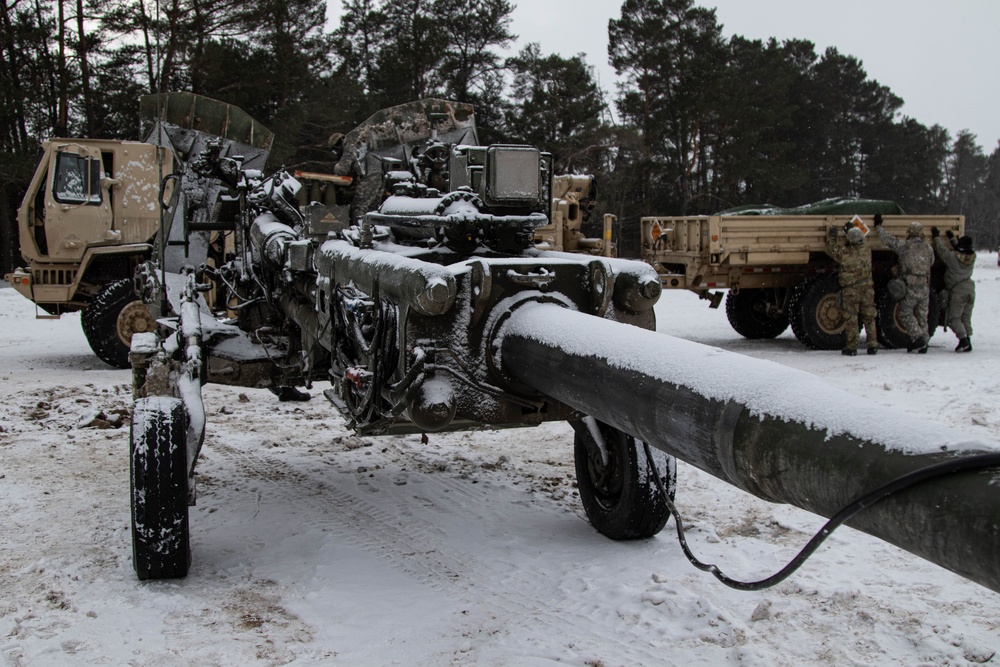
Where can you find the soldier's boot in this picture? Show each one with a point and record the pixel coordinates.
(922, 346)
(849, 352)
(872, 350)
(964, 345)
(286, 394)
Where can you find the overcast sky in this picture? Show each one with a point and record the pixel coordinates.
(942, 57)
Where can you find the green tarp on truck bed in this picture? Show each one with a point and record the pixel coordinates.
(836, 206)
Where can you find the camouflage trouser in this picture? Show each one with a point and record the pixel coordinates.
(913, 310)
(859, 301)
(961, 300)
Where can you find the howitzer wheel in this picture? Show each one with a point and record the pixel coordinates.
(755, 313)
(159, 489)
(620, 496)
(111, 319)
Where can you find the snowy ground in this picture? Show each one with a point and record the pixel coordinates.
(314, 546)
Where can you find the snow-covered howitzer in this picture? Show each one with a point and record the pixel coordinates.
(434, 312)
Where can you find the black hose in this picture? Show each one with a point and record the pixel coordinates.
(964, 464)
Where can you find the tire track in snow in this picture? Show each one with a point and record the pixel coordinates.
(524, 588)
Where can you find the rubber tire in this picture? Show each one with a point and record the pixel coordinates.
(891, 334)
(811, 302)
(628, 505)
(100, 322)
(750, 320)
(161, 547)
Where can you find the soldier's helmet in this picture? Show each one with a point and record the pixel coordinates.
(855, 236)
(915, 231)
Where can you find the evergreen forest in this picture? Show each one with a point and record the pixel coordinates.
(699, 123)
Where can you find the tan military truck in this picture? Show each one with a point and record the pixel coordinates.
(774, 264)
(94, 209)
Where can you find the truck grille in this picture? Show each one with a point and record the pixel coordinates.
(53, 276)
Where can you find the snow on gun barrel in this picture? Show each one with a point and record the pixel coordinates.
(427, 318)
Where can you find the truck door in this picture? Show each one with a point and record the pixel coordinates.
(78, 209)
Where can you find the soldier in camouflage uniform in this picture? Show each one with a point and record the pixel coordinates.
(959, 259)
(915, 260)
(856, 287)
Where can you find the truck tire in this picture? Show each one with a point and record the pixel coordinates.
(748, 313)
(111, 319)
(891, 332)
(816, 318)
(159, 489)
(621, 498)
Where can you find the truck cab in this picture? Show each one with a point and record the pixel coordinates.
(93, 212)
(89, 215)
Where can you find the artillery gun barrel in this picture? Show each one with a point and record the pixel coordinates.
(778, 433)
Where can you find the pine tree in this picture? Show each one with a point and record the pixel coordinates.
(474, 30)
(966, 170)
(557, 106)
(754, 159)
(670, 54)
(985, 227)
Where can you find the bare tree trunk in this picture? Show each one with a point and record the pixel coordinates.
(144, 21)
(197, 66)
(50, 74)
(15, 132)
(166, 69)
(88, 103)
(62, 120)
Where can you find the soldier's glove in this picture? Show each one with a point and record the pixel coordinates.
(935, 232)
(950, 234)
(847, 227)
(878, 219)
(832, 233)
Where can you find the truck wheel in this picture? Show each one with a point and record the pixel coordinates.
(111, 319)
(159, 489)
(750, 316)
(891, 332)
(621, 498)
(816, 318)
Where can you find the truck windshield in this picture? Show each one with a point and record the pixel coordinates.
(77, 180)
